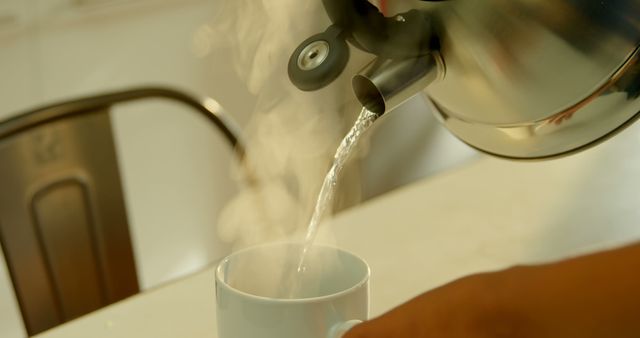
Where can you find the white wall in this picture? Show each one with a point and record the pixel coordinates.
(18, 80)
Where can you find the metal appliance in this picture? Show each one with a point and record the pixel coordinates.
(521, 79)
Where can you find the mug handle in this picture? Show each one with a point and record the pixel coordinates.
(341, 328)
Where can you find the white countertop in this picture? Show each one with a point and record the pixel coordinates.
(485, 216)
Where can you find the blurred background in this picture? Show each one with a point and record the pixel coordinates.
(178, 175)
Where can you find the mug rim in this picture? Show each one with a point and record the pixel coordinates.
(356, 286)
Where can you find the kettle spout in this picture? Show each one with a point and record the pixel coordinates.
(385, 84)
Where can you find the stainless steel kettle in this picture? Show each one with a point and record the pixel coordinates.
(522, 79)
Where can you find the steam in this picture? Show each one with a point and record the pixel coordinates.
(292, 135)
(267, 271)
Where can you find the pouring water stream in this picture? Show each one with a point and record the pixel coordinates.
(327, 192)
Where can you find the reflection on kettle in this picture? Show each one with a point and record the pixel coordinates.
(519, 79)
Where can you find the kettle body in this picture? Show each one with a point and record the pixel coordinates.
(521, 79)
(534, 79)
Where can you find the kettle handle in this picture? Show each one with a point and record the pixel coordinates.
(405, 35)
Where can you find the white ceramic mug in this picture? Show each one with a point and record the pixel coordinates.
(257, 297)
